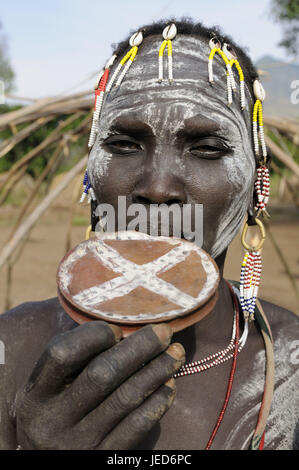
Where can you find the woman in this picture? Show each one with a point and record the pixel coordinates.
(175, 141)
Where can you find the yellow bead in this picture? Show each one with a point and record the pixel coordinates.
(162, 48)
(256, 110)
(132, 52)
(212, 53)
(238, 67)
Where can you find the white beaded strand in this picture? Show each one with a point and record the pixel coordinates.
(242, 94)
(170, 68)
(123, 73)
(229, 90)
(113, 78)
(219, 357)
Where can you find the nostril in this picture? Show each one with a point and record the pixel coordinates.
(142, 200)
(174, 201)
(146, 201)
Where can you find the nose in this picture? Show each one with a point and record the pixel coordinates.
(160, 188)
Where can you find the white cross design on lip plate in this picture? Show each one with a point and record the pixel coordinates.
(145, 275)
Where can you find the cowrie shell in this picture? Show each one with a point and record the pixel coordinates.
(169, 32)
(110, 62)
(229, 53)
(136, 39)
(214, 43)
(259, 90)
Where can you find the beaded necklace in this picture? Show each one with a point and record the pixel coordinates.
(257, 441)
(221, 356)
(199, 366)
(232, 372)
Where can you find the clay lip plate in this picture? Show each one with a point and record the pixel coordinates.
(131, 277)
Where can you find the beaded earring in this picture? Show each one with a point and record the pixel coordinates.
(215, 47)
(100, 90)
(262, 184)
(126, 61)
(87, 190)
(103, 87)
(168, 34)
(251, 271)
(233, 61)
(252, 262)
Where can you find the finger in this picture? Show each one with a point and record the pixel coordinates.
(133, 392)
(136, 426)
(108, 370)
(68, 353)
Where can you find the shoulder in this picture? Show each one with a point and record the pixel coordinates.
(46, 317)
(285, 332)
(283, 423)
(284, 323)
(26, 330)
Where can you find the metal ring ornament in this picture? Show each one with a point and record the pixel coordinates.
(88, 232)
(260, 243)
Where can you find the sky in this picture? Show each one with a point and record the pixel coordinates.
(56, 45)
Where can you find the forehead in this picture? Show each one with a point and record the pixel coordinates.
(140, 94)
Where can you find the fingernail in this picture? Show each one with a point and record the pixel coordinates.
(171, 384)
(117, 331)
(176, 351)
(163, 331)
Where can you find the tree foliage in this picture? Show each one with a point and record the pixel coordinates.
(287, 12)
(6, 72)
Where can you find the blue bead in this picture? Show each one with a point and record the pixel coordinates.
(85, 181)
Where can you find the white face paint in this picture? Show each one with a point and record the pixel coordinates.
(172, 117)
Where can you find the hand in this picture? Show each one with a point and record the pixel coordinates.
(89, 390)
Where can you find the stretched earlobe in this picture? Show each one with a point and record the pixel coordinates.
(251, 220)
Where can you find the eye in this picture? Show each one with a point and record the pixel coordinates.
(122, 145)
(210, 148)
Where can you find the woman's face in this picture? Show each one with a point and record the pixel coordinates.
(177, 143)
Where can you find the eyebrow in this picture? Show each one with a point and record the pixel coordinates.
(198, 125)
(128, 124)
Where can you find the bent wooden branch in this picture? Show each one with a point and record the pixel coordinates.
(28, 224)
(282, 156)
(10, 143)
(51, 139)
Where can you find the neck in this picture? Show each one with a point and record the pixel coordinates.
(214, 331)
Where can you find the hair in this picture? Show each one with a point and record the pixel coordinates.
(188, 27)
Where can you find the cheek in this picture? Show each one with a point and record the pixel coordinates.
(98, 166)
(224, 187)
(219, 182)
(112, 176)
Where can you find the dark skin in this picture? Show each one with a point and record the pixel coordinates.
(83, 387)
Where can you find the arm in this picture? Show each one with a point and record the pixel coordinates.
(89, 390)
